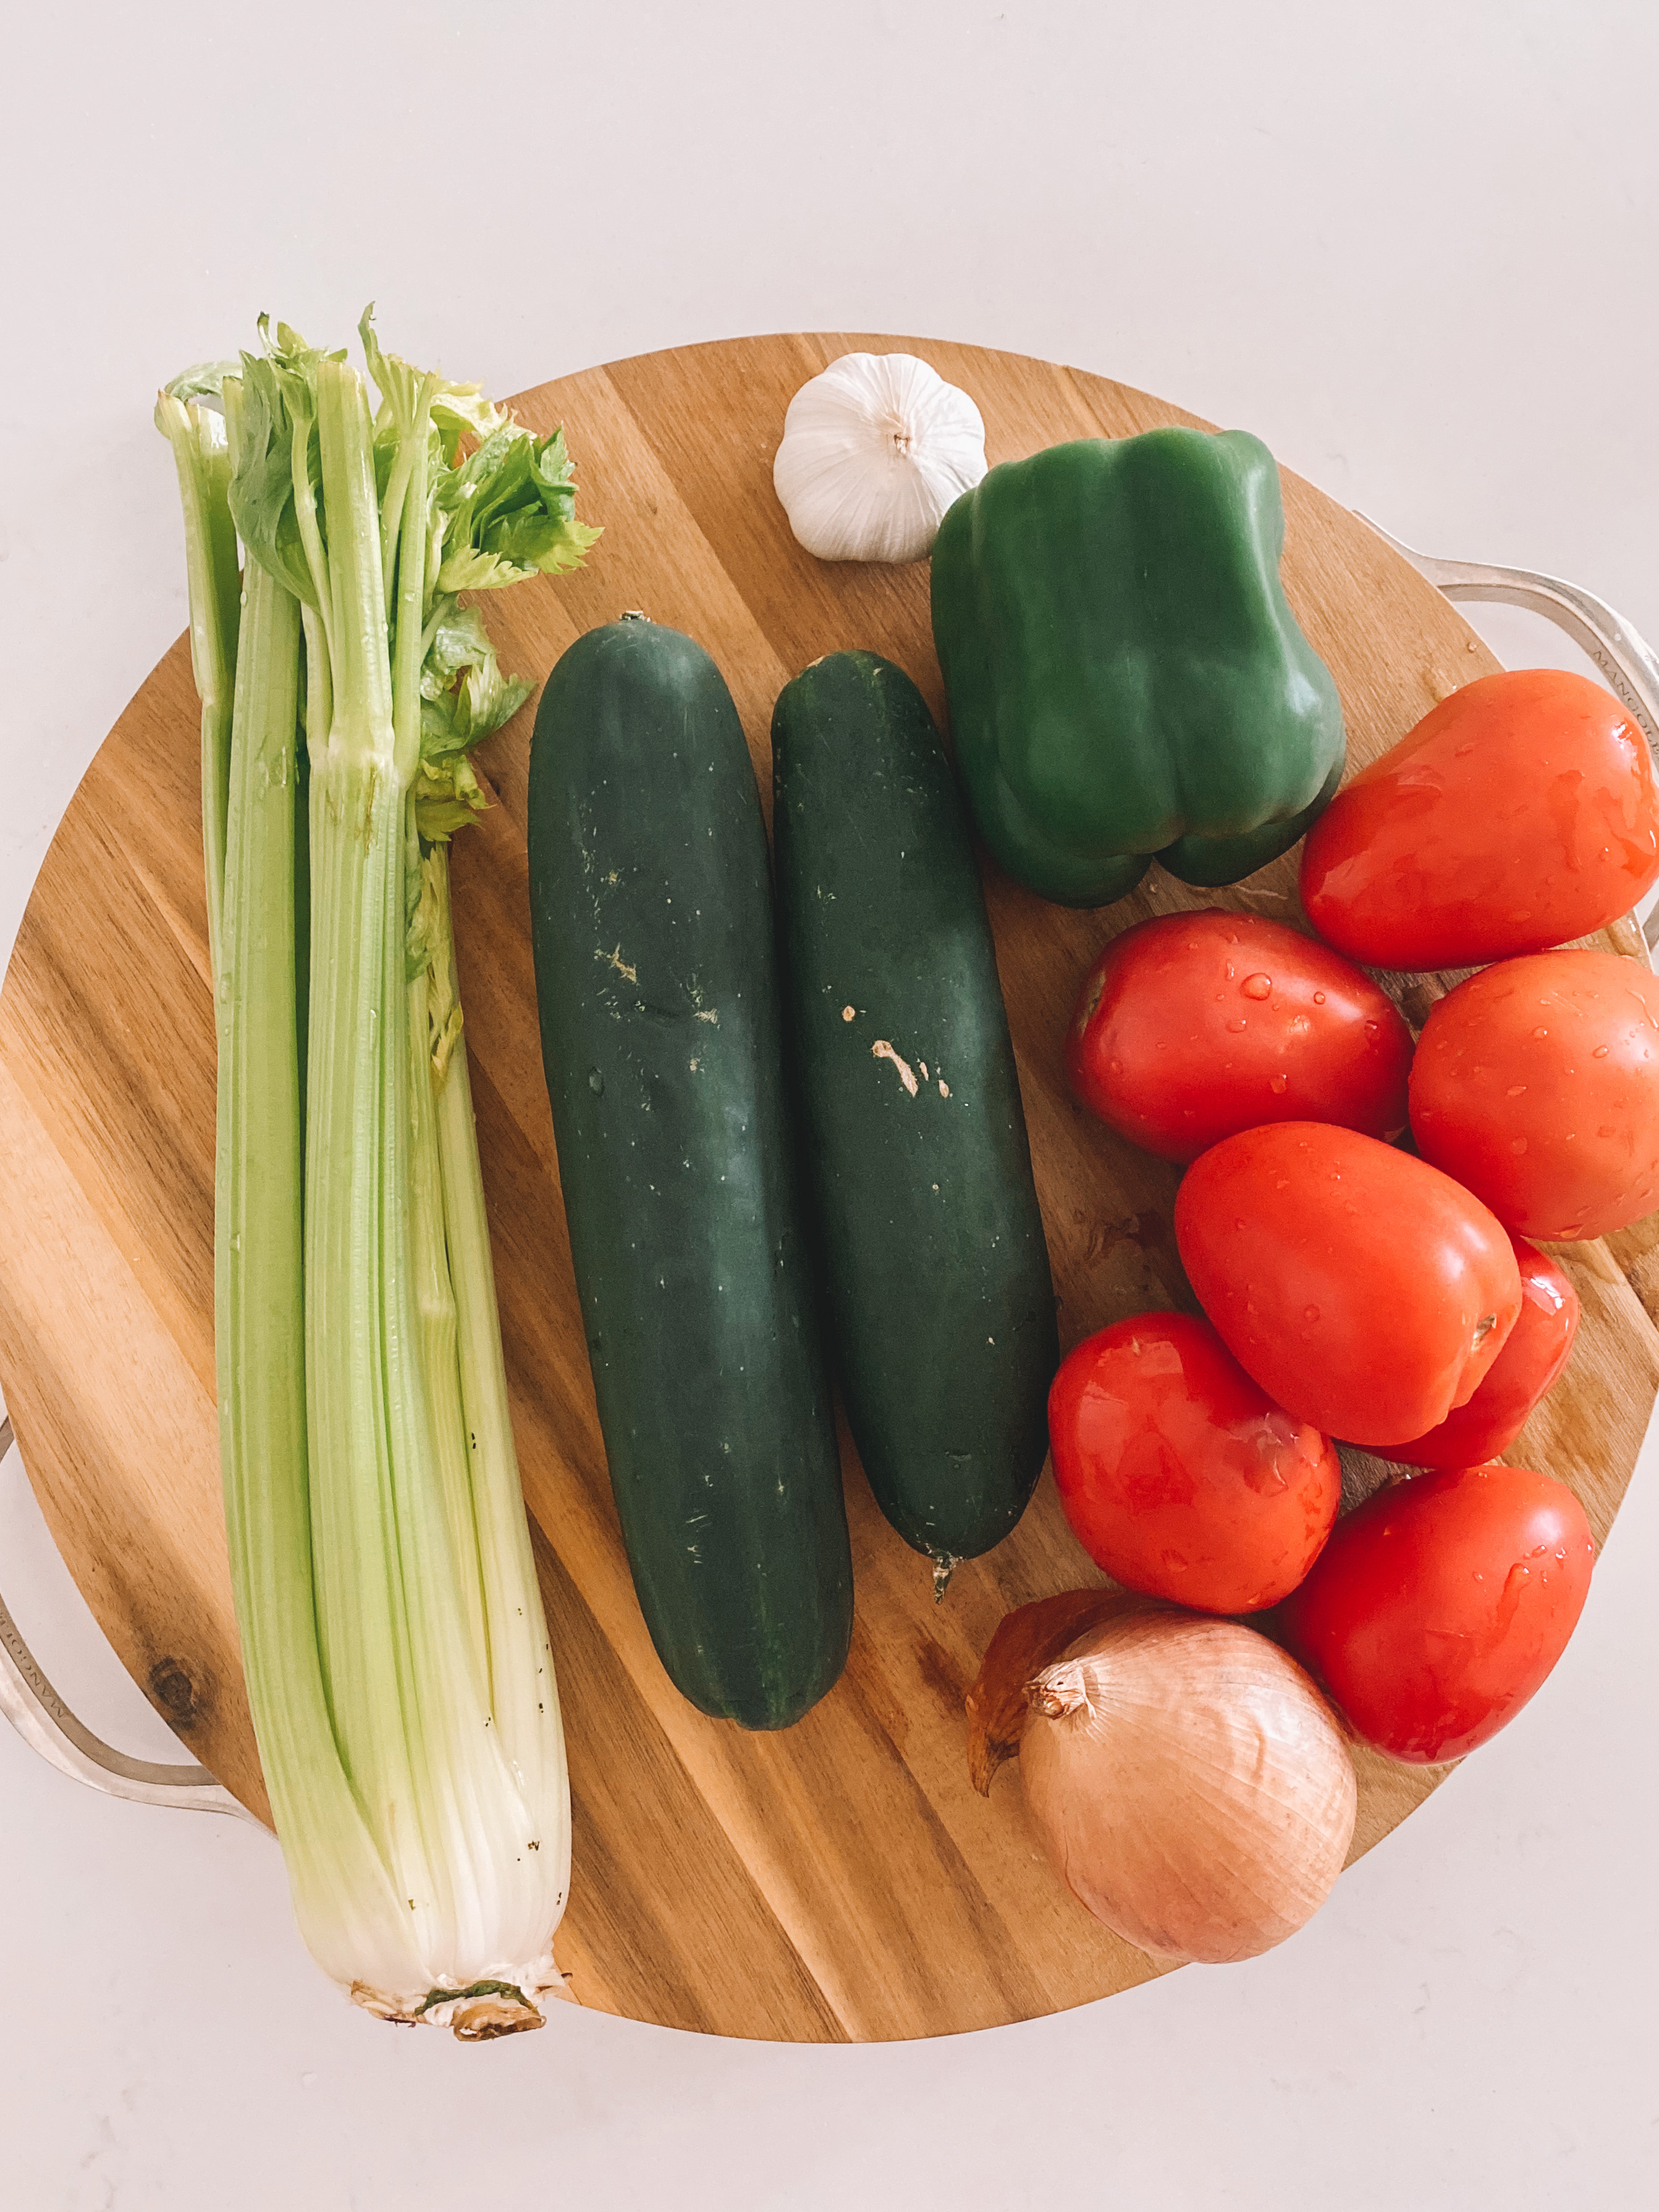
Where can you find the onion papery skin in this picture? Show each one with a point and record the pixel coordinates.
(1192, 1788)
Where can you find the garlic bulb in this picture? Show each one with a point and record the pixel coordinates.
(1192, 1786)
(874, 451)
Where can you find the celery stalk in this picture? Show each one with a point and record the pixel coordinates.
(524, 1694)
(398, 1666)
(201, 453)
(259, 1316)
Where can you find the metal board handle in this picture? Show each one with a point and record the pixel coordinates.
(45, 1722)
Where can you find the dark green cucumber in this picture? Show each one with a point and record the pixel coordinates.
(651, 917)
(941, 1302)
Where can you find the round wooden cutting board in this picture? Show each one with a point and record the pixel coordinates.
(841, 1880)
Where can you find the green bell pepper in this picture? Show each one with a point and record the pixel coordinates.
(1125, 677)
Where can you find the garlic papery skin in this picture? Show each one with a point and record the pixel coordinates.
(1192, 1787)
(874, 451)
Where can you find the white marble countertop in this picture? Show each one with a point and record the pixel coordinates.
(1412, 247)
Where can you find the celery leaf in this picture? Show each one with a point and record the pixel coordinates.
(205, 381)
(509, 512)
(279, 447)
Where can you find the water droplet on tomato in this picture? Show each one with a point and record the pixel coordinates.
(1541, 1032)
(1319, 998)
(1279, 1085)
(1599, 1053)
(1515, 1089)
(1237, 1026)
(1257, 986)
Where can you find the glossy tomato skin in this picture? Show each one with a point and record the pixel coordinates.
(1520, 811)
(1192, 1026)
(1179, 1476)
(1536, 1085)
(1366, 1293)
(1524, 1372)
(1440, 1605)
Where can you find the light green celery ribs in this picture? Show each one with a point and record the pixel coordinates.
(397, 1662)
(196, 431)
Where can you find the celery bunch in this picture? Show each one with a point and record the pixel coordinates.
(393, 1635)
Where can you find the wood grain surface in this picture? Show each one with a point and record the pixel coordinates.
(841, 1880)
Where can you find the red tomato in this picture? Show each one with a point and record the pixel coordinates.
(1522, 811)
(1179, 1476)
(1533, 1354)
(1362, 1289)
(1440, 1605)
(1536, 1085)
(1196, 1026)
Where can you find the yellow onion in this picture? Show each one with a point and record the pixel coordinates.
(1191, 1785)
